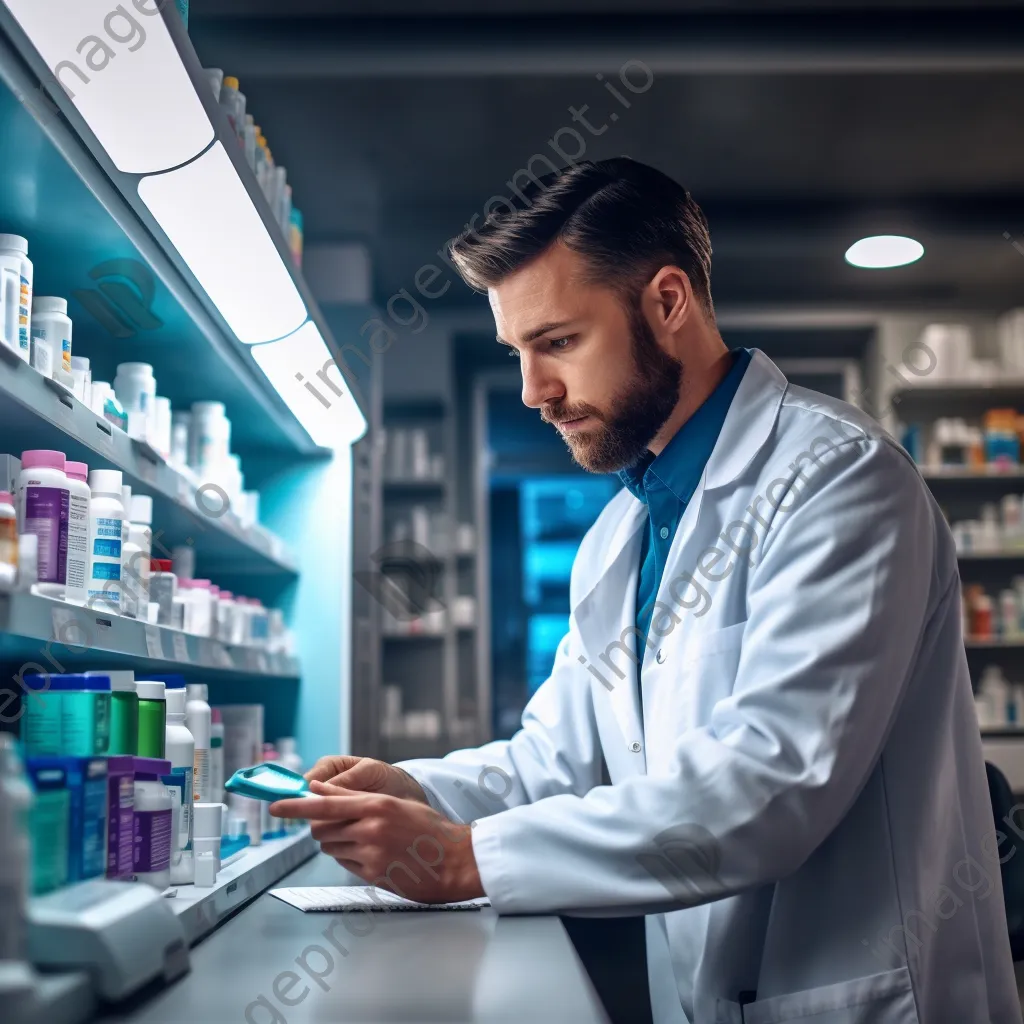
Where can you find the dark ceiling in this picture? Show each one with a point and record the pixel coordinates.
(799, 127)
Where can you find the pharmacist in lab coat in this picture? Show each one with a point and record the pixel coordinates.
(758, 730)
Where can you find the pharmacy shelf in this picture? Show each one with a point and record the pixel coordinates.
(1007, 555)
(957, 475)
(998, 644)
(39, 413)
(40, 631)
(1007, 387)
(88, 244)
(1002, 733)
(259, 867)
(82, 216)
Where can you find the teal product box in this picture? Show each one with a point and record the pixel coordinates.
(49, 822)
(87, 815)
(66, 715)
(120, 817)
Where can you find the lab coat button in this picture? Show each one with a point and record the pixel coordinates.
(660, 657)
(635, 747)
(664, 533)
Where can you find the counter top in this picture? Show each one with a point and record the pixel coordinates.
(273, 964)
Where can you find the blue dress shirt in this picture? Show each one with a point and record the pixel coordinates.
(666, 483)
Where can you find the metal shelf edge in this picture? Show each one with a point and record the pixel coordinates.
(54, 623)
(202, 910)
(61, 410)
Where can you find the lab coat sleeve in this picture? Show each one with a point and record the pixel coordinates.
(837, 607)
(556, 751)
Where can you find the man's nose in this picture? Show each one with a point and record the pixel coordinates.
(539, 386)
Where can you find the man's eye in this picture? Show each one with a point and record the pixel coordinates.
(559, 343)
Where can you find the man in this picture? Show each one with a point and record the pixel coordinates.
(759, 729)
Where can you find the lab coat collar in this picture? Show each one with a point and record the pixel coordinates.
(601, 616)
(746, 429)
(749, 422)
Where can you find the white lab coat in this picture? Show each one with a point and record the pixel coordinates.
(800, 811)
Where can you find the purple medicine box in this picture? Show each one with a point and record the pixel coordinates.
(120, 816)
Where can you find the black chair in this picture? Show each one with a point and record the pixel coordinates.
(1006, 809)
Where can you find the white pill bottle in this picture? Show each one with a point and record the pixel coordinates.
(16, 291)
(51, 335)
(106, 518)
(76, 589)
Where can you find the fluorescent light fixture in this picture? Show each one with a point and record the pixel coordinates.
(209, 218)
(122, 71)
(306, 376)
(881, 251)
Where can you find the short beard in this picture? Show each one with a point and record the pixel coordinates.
(638, 411)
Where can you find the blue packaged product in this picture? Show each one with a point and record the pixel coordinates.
(87, 815)
(48, 823)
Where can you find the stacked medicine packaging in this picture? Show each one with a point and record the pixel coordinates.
(81, 536)
(272, 179)
(37, 330)
(127, 777)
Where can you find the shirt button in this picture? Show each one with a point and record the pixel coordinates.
(660, 657)
(663, 533)
(635, 747)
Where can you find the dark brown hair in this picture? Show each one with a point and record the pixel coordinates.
(626, 218)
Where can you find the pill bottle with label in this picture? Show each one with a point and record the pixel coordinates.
(79, 499)
(152, 717)
(106, 518)
(16, 282)
(51, 335)
(43, 505)
(153, 820)
(163, 586)
(135, 388)
(124, 711)
(8, 541)
(198, 720)
(81, 374)
(180, 751)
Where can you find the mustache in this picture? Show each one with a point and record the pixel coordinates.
(559, 413)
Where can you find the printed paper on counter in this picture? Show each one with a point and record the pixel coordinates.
(331, 898)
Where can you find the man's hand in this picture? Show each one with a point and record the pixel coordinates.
(395, 844)
(365, 775)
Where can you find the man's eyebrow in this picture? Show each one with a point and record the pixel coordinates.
(536, 332)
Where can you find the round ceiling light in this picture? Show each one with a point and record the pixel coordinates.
(880, 251)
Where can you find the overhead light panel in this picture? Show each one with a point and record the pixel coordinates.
(207, 214)
(121, 69)
(305, 375)
(881, 251)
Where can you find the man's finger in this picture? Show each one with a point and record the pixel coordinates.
(295, 808)
(343, 851)
(331, 766)
(332, 788)
(323, 808)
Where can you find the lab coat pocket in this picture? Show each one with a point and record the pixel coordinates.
(884, 998)
(710, 662)
(717, 641)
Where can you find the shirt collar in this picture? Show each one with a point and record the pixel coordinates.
(682, 461)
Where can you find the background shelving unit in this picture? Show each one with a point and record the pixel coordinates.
(433, 665)
(91, 238)
(962, 491)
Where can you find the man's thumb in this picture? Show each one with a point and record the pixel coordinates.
(366, 775)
